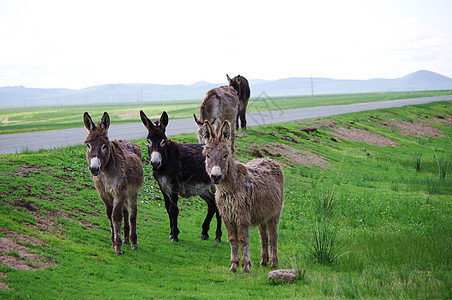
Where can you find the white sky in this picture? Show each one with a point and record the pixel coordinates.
(76, 44)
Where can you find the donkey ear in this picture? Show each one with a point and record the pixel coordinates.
(105, 121)
(229, 79)
(225, 131)
(147, 123)
(89, 124)
(197, 120)
(208, 133)
(164, 119)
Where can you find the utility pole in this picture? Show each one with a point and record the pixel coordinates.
(312, 86)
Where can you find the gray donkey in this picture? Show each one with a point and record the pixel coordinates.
(250, 194)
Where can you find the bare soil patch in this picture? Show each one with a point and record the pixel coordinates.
(359, 135)
(411, 128)
(290, 154)
(19, 257)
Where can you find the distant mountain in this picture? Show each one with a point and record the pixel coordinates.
(112, 93)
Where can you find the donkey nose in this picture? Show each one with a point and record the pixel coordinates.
(215, 178)
(94, 170)
(155, 164)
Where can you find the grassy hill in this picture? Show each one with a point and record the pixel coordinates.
(376, 185)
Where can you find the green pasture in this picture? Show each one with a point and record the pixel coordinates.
(368, 221)
(39, 118)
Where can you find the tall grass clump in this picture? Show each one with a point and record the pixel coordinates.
(417, 160)
(443, 165)
(325, 244)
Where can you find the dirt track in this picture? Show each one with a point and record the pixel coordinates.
(16, 143)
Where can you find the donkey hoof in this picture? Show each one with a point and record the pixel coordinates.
(233, 268)
(204, 237)
(126, 241)
(118, 253)
(218, 240)
(174, 238)
(134, 247)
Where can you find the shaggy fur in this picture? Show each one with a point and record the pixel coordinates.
(220, 104)
(240, 84)
(180, 171)
(250, 194)
(118, 176)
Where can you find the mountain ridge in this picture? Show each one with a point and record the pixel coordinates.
(292, 86)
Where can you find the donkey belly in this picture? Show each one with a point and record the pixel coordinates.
(188, 190)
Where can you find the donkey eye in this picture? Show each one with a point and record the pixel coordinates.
(88, 145)
(163, 143)
(149, 142)
(225, 156)
(104, 147)
(208, 156)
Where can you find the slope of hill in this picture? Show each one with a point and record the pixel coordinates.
(114, 93)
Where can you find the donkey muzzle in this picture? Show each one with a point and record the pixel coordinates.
(156, 160)
(215, 175)
(94, 166)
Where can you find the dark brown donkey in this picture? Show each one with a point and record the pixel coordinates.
(118, 176)
(240, 84)
(179, 170)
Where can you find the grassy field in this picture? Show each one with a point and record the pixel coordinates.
(38, 118)
(367, 214)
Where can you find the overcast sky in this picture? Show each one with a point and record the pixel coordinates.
(77, 44)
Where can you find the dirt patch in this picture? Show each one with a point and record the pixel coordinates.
(290, 154)
(19, 257)
(359, 135)
(411, 128)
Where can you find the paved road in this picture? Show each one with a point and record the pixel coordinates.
(16, 143)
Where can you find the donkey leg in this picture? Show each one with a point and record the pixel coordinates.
(264, 242)
(174, 213)
(211, 211)
(117, 219)
(243, 232)
(218, 232)
(234, 243)
(125, 214)
(133, 222)
(109, 210)
(273, 232)
(242, 119)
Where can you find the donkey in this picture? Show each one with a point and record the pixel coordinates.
(118, 176)
(240, 84)
(247, 195)
(219, 105)
(179, 170)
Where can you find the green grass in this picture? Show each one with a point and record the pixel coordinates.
(392, 222)
(39, 118)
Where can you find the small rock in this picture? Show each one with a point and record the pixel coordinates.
(314, 141)
(282, 275)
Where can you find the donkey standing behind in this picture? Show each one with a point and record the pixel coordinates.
(118, 176)
(246, 195)
(240, 84)
(220, 104)
(179, 170)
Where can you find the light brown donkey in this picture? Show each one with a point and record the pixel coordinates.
(118, 175)
(250, 194)
(220, 104)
